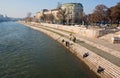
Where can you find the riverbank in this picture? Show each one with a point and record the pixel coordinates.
(93, 60)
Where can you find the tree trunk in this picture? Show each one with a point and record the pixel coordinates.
(118, 23)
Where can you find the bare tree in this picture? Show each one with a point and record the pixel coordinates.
(102, 13)
(42, 18)
(29, 18)
(49, 18)
(29, 14)
(115, 13)
(109, 17)
(99, 14)
(62, 15)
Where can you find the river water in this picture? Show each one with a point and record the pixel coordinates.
(26, 53)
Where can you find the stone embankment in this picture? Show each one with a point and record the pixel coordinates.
(98, 64)
(89, 33)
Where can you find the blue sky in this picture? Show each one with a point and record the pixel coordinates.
(20, 8)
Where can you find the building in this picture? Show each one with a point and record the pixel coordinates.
(49, 16)
(37, 15)
(73, 12)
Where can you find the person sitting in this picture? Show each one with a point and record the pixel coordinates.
(85, 55)
(100, 69)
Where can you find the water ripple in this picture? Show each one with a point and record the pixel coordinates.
(26, 53)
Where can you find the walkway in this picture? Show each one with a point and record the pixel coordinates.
(113, 59)
(102, 42)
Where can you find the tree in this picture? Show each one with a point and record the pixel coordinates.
(115, 13)
(29, 18)
(62, 15)
(42, 18)
(49, 18)
(29, 14)
(100, 13)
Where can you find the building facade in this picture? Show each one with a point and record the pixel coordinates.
(73, 14)
(49, 16)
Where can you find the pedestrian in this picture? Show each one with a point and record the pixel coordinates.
(74, 39)
(67, 43)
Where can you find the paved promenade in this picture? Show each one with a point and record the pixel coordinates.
(92, 43)
(102, 42)
(113, 49)
(112, 58)
(106, 46)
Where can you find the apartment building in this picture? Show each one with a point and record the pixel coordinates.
(73, 12)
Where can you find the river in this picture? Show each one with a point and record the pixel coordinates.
(27, 53)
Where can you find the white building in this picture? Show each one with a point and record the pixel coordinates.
(74, 12)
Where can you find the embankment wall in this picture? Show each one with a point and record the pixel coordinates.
(79, 30)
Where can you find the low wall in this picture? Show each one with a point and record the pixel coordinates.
(116, 40)
(93, 60)
(79, 30)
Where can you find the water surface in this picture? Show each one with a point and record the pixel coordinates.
(26, 53)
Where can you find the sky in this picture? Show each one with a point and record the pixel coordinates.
(20, 8)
